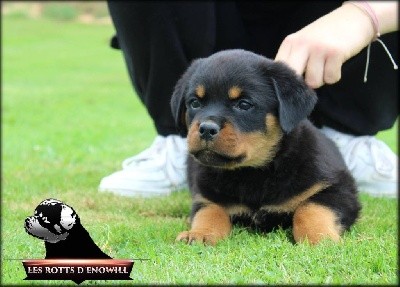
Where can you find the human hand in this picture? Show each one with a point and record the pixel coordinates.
(319, 50)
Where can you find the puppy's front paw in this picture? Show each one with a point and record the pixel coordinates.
(202, 236)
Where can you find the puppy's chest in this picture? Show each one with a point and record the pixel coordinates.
(261, 219)
(263, 215)
(259, 204)
(250, 189)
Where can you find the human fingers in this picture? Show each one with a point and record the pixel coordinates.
(333, 69)
(314, 73)
(294, 53)
(283, 51)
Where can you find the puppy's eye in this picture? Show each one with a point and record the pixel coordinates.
(195, 104)
(45, 220)
(244, 105)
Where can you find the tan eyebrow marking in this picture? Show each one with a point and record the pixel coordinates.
(234, 92)
(200, 91)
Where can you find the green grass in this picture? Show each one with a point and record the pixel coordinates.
(69, 117)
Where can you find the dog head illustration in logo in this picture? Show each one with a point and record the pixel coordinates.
(59, 226)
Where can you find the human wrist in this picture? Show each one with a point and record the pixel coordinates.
(383, 19)
(387, 14)
(383, 15)
(368, 11)
(358, 24)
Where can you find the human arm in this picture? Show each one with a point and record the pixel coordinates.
(319, 50)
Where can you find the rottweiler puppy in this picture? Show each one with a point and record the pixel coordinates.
(255, 158)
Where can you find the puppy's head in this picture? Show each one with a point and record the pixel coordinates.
(52, 221)
(235, 106)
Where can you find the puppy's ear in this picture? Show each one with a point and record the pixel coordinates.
(178, 105)
(296, 100)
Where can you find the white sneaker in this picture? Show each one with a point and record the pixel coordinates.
(372, 163)
(158, 170)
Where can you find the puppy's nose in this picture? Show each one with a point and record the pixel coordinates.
(208, 130)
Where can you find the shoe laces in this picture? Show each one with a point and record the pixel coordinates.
(369, 147)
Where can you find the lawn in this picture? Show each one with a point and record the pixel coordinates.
(69, 117)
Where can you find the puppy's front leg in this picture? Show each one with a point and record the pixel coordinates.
(210, 224)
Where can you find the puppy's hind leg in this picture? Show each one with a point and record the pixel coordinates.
(210, 224)
(313, 222)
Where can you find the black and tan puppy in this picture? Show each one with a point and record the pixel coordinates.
(254, 156)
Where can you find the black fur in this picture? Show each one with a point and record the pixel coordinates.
(78, 245)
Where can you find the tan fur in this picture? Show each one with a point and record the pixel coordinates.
(313, 222)
(237, 209)
(184, 117)
(257, 148)
(200, 91)
(291, 204)
(227, 141)
(193, 137)
(209, 225)
(261, 147)
(198, 198)
(234, 93)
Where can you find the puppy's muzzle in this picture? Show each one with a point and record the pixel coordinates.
(209, 130)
